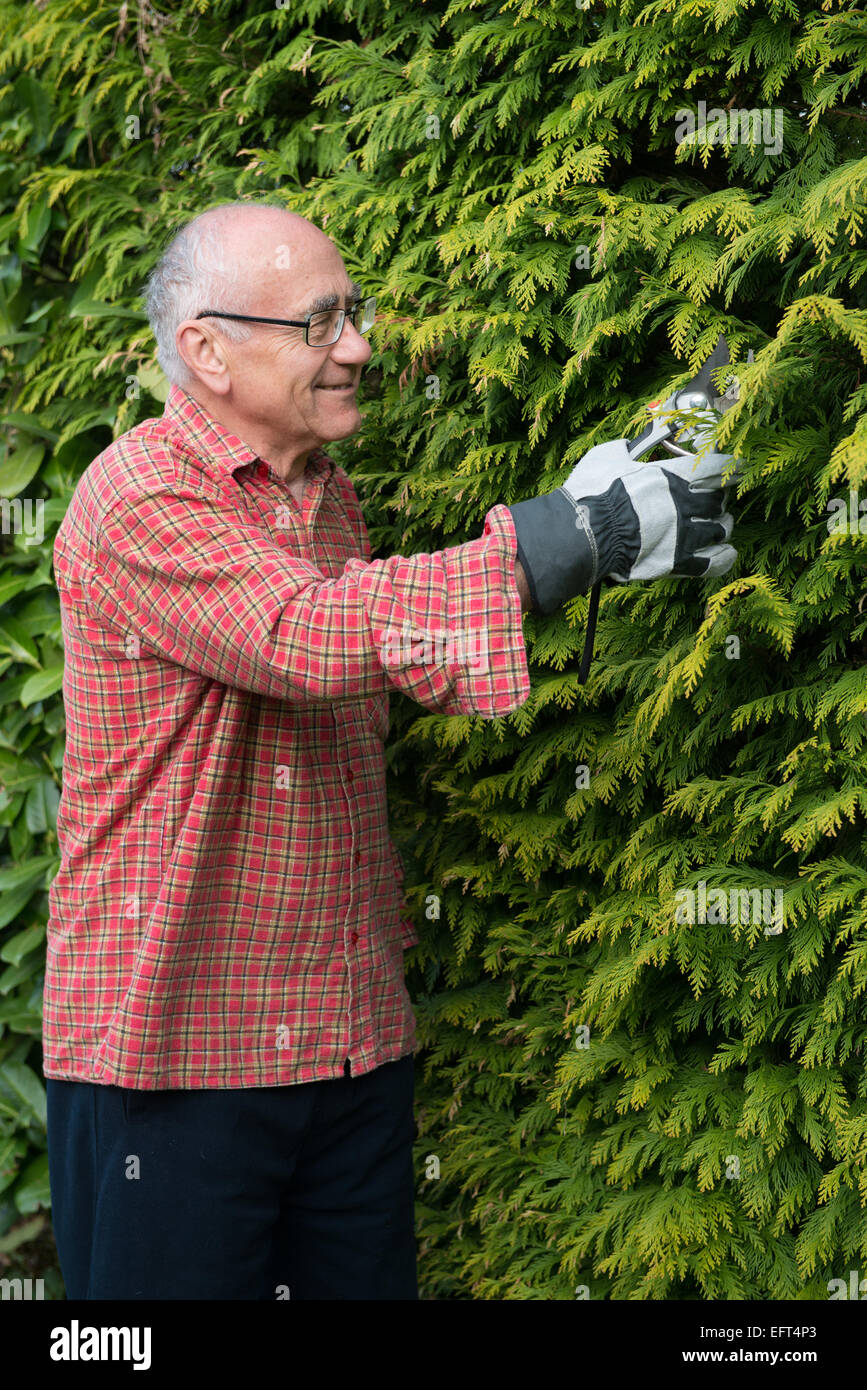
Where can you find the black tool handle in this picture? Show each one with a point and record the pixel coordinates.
(590, 636)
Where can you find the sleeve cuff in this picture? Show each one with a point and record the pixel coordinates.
(483, 578)
(447, 625)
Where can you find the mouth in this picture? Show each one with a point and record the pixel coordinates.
(343, 386)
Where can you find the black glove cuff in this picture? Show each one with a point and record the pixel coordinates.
(558, 556)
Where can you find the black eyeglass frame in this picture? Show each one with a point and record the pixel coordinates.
(302, 323)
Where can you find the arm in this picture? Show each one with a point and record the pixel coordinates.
(214, 593)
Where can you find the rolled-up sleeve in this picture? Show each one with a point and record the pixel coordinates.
(215, 594)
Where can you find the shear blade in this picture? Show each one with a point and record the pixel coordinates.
(658, 432)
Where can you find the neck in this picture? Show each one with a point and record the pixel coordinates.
(287, 460)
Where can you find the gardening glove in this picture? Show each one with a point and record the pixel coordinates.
(620, 519)
(617, 519)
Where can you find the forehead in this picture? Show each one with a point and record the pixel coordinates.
(284, 266)
(293, 281)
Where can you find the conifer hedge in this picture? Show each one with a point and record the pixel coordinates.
(632, 1083)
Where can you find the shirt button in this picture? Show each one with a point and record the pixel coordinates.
(350, 775)
(487, 531)
(262, 470)
(357, 856)
(353, 936)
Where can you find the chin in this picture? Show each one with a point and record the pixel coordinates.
(345, 422)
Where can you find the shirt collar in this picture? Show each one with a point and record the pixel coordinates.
(220, 452)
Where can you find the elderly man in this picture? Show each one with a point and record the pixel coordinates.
(228, 1040)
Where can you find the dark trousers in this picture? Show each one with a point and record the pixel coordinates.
(268, 1193)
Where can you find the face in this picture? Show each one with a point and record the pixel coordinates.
(274, 387)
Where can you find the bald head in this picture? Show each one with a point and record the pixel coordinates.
(227, 258)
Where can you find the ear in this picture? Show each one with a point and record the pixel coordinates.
(205, 356)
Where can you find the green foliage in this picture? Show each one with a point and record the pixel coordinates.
(548, 258)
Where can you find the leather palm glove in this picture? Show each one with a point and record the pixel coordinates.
(620, 519)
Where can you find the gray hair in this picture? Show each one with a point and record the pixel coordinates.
(191, 276)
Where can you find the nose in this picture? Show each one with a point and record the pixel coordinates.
(351, 346)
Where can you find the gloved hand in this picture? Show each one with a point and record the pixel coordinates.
(617, 518)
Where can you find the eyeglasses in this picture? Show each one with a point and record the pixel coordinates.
(320, 330)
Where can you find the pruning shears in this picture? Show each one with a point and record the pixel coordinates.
(699, 399)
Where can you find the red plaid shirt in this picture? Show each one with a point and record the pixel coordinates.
(228, 910)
